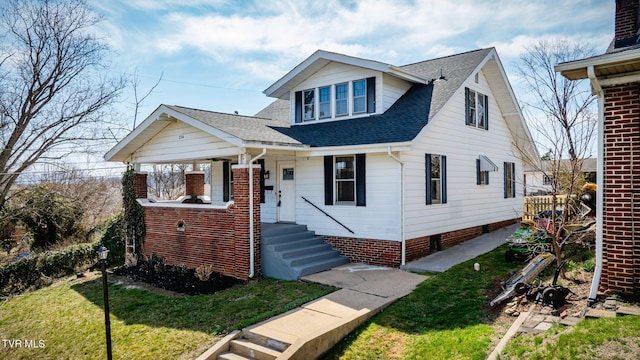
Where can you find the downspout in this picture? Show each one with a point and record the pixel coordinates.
(600, 192)
(251, 232)
(402, 239)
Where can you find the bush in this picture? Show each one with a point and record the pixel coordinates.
(113, 239)
(29, 272)
(49, 215)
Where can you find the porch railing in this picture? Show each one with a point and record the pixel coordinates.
(325, 213)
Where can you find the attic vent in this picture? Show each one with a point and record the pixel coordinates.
(476, 78)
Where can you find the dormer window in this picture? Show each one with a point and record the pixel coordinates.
(332, 101)
(359, 96)
(309, 105)
(342, 96)
(324, 98)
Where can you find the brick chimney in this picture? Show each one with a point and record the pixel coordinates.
(627, 21)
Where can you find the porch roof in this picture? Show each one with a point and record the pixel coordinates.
(237, 130)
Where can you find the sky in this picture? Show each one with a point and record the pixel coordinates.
(220, 55)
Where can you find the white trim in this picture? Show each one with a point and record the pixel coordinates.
(605, 59)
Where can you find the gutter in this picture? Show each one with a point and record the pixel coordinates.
(402, 239)
(600, 193)
(251, 232)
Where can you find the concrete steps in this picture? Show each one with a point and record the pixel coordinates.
(290, 251)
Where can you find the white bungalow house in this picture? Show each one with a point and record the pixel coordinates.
(382, 164)
(538, 180)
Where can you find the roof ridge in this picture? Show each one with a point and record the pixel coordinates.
(447, 56)
(216, 112)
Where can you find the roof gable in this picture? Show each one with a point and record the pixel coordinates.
(281, 88)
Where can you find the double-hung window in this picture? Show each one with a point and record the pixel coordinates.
(309, 99)
(342, 96)
(476, 109)
(345, 179)
(359, 96)
(509, 180)
(324, 99)
(436, 179)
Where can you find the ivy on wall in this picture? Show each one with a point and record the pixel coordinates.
(133, 213)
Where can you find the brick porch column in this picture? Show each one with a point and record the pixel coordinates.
(194, 184)
(140, 185)
(241, 218)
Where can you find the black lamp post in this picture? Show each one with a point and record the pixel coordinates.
(103, 252)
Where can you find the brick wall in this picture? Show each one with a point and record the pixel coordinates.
(194, 185)
(215, 237)
(621, 240)
(389, 253)
(626, 19)
(140, 185)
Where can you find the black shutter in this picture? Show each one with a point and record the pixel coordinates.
(225, 181)
(466, 106)
(261, 162)
(298, 107)
(443, 174)
(478, 172)
(486, 112)
(371, 95)
(361, 174)
(328, 180)
(506, 170)
(513, 179)
(427, 166)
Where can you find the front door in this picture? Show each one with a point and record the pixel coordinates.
(286, 192)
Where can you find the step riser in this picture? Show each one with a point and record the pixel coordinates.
(252, 350)
(277, 239)
(276, 230)
(293, 245)
(264, 341)
(311, 258)
(307, 250)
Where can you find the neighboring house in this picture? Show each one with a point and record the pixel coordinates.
(538, 180)
(614, 78)
(385, 163)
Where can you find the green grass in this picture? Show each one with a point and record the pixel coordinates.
(607, 338)
(447, 317)
(444, 318)
(68, 316)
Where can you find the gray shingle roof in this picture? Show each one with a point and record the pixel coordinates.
(247, 128)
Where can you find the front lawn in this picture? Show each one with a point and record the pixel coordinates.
(66, 320)
(447, 317)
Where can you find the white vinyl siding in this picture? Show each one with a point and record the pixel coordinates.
(182, 142)
(379, 219)
(467, 204)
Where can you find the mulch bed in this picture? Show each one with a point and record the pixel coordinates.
(177, 279)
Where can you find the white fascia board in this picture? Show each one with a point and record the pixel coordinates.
(204, 127)
(324, 56)
(274, 146)
(605, 59)
(144, 125)
(356, 149)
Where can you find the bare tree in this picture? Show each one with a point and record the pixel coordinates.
(563, 114)
(139, 100)
(54, 84)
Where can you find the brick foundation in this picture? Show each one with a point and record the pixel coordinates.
(621, 190)
(389, 253)
(216, 237)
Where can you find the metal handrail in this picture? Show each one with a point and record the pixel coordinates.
(324, 212)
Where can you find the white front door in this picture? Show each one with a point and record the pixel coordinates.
(286, 192)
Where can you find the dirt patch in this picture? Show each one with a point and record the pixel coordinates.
(175, 280)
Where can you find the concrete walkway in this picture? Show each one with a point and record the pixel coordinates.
(443, 260)
(312, 329)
